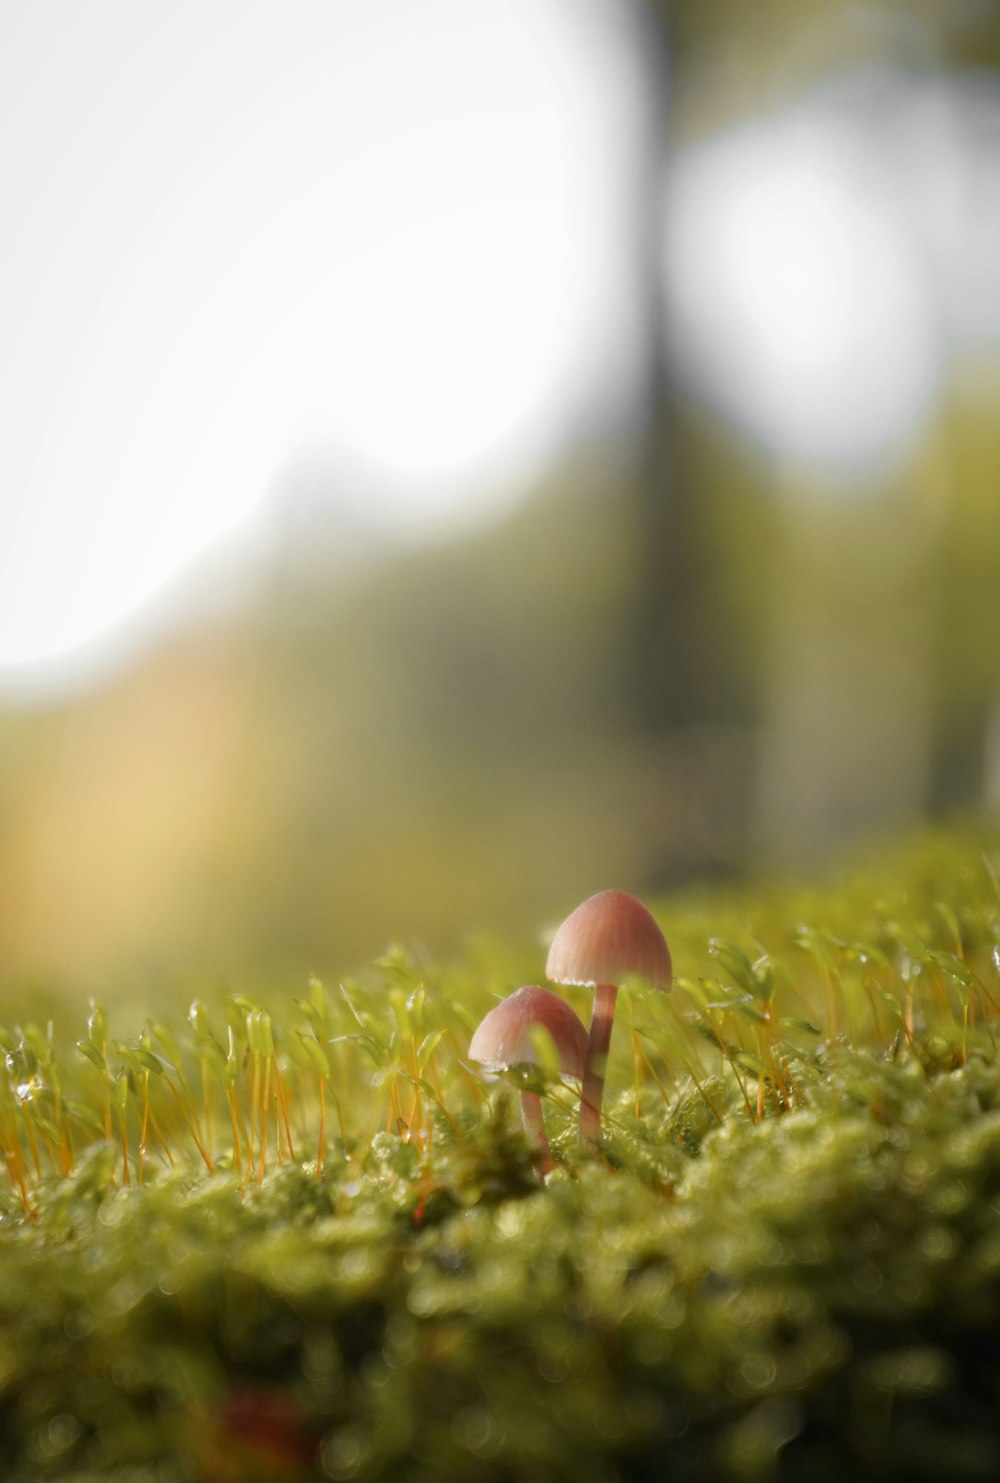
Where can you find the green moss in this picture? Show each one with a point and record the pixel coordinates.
(783, 1261)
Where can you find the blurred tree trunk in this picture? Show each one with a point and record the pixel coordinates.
(656, 670)
(829, 680)
(668, 672)
(678, 695)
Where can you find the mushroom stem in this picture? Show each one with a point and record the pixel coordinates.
(534, 1127)
(597, 1059)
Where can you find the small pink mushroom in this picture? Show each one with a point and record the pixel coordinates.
(610, 937)
(504, 1040)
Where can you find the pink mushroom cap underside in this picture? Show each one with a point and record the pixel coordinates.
(611, 936)
(504, 1036)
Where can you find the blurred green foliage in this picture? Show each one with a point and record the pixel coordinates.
(674, 660)
(451, 741)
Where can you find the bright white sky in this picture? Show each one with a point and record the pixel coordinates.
(799, 289)
(230, 232)
(823, 261)
(397, 232)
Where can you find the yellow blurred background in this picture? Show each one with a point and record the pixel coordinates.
(737, 605)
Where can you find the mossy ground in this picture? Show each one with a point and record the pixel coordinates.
(267, 1240)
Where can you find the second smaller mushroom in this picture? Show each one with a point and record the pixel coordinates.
(504, 1039)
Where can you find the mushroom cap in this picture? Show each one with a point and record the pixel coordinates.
(608, 937)
(504, 1038)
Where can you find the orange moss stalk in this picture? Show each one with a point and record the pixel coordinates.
(263, 1121)
(190, 1125)
(283, 1105)
(16, 1169)
(317, 1054)
(121, 1094)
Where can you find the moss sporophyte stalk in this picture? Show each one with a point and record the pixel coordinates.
(305, 1237)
